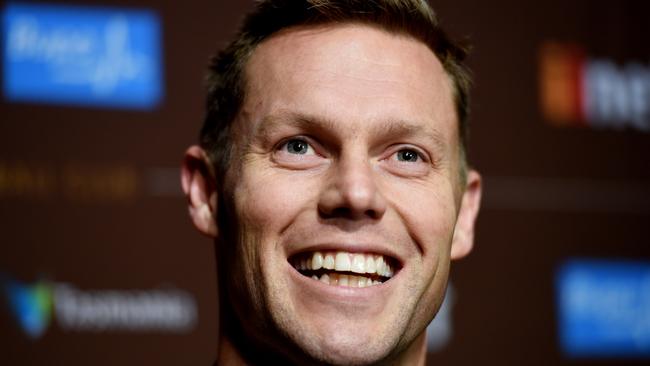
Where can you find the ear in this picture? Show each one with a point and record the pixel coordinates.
(199, 184)
(463, 240)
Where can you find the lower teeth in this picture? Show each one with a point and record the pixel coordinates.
(345, 280)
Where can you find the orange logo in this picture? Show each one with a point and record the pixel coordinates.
(576, 90)
(561, 74)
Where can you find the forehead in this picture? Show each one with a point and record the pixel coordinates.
(352, 72)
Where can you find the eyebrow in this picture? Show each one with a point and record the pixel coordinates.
(406, 128)
(273, 122)
(399, 128)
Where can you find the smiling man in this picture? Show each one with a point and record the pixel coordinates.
(332, 175)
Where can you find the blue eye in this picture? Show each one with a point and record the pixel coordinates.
(297, 147)
(408, 156)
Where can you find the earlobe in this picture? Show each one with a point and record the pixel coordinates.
(199, 185)
(463, 239)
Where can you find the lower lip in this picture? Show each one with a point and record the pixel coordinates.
(341, 293)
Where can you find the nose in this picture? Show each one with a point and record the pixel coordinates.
(351, 191)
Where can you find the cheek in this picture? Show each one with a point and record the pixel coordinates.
(433, 218)
(429, 214)
(270, 201)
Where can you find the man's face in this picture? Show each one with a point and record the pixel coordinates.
(345, 188)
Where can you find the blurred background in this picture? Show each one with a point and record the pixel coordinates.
(100, 265)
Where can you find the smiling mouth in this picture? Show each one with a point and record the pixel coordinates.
(345, 269)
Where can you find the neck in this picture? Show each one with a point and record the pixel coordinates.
(416, 353)
(240, 352)
(228, 354)
(235, 348)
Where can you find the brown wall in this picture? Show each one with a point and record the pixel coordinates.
(101, 207)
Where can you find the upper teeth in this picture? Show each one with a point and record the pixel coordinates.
(346, 262)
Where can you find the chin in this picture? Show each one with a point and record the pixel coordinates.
(344, 351)
(344, 342)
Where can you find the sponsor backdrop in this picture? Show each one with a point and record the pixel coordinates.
(99, 263)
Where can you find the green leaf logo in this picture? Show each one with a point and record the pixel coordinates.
(31, 305)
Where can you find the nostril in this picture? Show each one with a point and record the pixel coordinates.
(347, 213)
(337, 212)
(341, 212)
(372, 214)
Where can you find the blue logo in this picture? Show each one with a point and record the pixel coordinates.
(604, 308)
(31, 305)
(89, 56)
